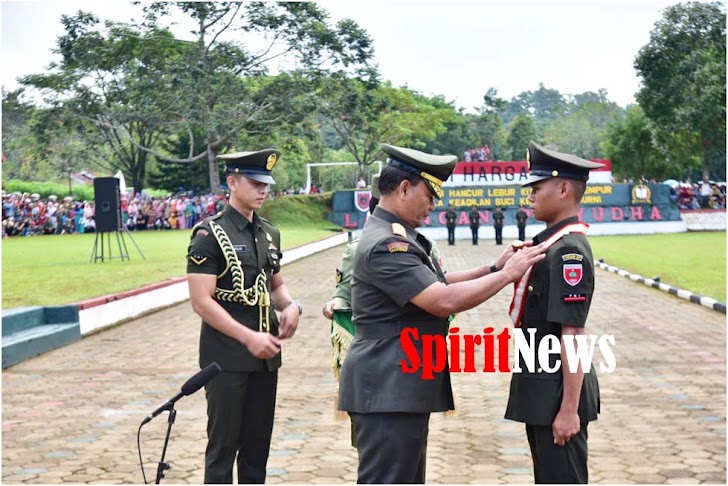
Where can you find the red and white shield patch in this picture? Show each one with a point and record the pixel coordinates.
(573, 273)
(361, 200)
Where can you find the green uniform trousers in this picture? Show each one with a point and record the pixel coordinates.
(553, 464)
(392, 447)
(240, 410)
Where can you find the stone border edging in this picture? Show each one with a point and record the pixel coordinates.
(99, 313)
(708, 302)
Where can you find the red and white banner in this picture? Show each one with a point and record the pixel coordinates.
(510, 173)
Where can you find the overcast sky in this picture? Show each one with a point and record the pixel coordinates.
(453, 48)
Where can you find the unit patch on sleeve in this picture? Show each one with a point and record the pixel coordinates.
(572, 257)
(573, 272)
(396, 246)
(574, 298)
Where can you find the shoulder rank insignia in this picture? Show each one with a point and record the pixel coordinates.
(202, 231)
(399, 230)
(396, 246)
(572, 257)
(574, 298)
(198, 259)
(339, 276)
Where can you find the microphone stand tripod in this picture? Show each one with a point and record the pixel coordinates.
(163, 466)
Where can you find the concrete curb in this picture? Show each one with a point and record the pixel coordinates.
(109, 310)
(708, 302)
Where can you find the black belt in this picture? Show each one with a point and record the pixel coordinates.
(385, 331)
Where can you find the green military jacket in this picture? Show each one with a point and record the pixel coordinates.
(343, 273)
(392, 264)
(257, 246)
(498, 219)
(451, 218)
(560, 291)
(521, 218)
(474, 219)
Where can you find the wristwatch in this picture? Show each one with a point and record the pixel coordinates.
(298, 304)
(493, 268)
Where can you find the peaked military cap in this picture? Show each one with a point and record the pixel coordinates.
(434, 169)
(254, 165)
(544, 164)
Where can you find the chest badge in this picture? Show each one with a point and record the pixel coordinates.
(268, 237)
(240, 248)
(573, 272)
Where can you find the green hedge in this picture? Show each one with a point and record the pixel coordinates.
(45, 189)
(80, 192)
(300, 209)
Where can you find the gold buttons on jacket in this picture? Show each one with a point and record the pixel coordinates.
(530, 288)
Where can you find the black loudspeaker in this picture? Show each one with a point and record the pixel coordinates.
(108, 204)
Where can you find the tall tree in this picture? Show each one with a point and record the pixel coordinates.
(214, 96)
(523, 130)
(116, 84)
(684, 78)
(365, 113)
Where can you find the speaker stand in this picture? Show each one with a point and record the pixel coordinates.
(121, 243)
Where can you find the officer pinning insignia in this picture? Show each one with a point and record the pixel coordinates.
(253, 165)
(397, 246)
(572, 257)
(399, 230)
(434, 169)
(198, 259)
(545, 164)
(573, 272)
(568, 298)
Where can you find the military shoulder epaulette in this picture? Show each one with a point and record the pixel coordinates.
(399, 230)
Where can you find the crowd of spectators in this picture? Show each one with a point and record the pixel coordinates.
(704, 195)
(479, 154)
(28, 214)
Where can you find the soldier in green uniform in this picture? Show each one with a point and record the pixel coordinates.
(554, 299)
(233, 267)
(498, 225)
(521, 219)
(451, 218)
(474, 217)
(397, 285)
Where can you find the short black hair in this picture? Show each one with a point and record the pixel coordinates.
(579, 188)
(391, 177)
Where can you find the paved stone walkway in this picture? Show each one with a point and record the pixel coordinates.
(71, 416)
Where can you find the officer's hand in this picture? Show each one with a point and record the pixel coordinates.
(517, 265)
(263, 345)
(565, 426)
(328, 309)
(288, 321)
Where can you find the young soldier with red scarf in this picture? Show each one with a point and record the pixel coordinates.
(554, 297)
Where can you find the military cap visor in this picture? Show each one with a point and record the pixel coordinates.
(434, 169)
(545, 164)
(253, 165)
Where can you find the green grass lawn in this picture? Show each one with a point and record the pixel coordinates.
(48, 270)
(694, 261)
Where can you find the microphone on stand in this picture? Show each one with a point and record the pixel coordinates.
(190, 386)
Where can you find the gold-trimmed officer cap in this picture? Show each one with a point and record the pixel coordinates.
(544, 164)
(253, 165)
(376, 193)
(434, 169)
